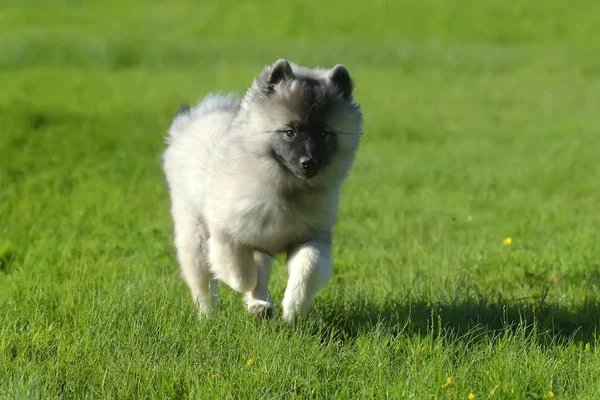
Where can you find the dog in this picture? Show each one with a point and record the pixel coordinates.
(253, 177)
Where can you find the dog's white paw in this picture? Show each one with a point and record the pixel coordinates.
(290, 313)
(295, 307)
(260, 308)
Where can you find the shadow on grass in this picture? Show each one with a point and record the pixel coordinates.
(550, 322)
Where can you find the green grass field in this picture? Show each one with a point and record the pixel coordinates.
(481, 123)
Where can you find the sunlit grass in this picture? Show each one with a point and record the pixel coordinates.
(466, 252)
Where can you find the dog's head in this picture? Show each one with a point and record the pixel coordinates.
(309, 119)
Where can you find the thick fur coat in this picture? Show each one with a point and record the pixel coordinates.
(253, 177)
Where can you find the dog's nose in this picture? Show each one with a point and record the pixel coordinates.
(306, 162)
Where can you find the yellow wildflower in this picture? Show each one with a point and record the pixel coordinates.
(448, 382)
(250, 362)
(471, 396)
(507, 241)
(573, 311)
(215, 375)
(549, 395)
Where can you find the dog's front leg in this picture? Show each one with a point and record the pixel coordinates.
(258, 301)
(309, 268)
(232, 263)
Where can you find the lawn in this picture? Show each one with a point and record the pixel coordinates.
(481, 124)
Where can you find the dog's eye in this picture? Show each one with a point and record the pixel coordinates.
(289, 133)
(324, 133)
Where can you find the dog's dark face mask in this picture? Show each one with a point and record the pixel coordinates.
(304, 149)
(304, 144)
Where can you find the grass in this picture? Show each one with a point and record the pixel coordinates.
(481, 123)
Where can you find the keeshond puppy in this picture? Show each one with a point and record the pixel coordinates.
(253, 177)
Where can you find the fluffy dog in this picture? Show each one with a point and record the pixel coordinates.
(253, 177)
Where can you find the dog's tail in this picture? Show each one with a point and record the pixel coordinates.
(209, 104)
(183, 110)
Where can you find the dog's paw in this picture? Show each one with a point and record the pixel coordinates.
(205, 310)
(295, 307)
(260, 308)
(290, 314)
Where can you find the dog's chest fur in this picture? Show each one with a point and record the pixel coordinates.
(273, 223)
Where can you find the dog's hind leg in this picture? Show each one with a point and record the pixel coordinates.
(258, 301)
(190, 244)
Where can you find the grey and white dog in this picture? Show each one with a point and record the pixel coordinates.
(253, 177)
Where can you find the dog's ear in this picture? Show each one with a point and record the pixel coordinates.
(281, 70)
(278, 72)
(341, 80)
